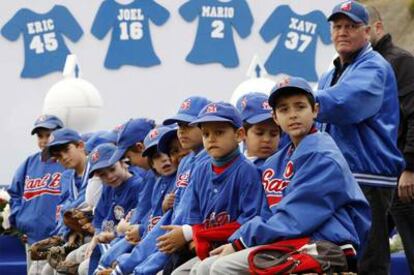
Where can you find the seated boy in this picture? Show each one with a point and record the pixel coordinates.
(262, 133)
(225, 191)
(119, 196)
(309, 187)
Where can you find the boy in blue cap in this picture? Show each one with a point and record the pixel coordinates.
(119, 196)
(36, 188)
(309, 187)
(225, 191)
(262, 133)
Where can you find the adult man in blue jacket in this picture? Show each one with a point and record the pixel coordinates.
(359, 108)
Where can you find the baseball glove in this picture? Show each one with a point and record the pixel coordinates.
(39, 250)
(75, 219)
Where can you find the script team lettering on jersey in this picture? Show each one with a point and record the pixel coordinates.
(47, 185)
(215, 220)
(273, 186)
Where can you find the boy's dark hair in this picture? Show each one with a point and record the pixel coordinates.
(152, 152)
(288, 92)
(247, 126)
(36, 131)
(54, 150)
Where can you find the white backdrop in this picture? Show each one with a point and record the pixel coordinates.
(130, 91)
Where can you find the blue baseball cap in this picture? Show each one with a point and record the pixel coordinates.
(102, 157)
(100, 137)
(289, 84)
(133, 131)
(50, 122)
(152, 139)
(352, 9)
(254, 108)
(164, 142)
(219, 112)
(189, 110)
(63, 136)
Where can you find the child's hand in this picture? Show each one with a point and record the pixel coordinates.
(89, 228)
(106, 271)
(223, 250)
(122, 227)
(171, 241)
(168, 202)
(132, 234)
(105, 237)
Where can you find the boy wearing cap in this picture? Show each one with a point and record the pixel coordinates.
(225, 191)
(359, 108)
(309, 188)
(36, 188)
(119, 196)
(262, 133)
(166, 173)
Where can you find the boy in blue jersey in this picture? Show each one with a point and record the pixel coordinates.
(119, 196)
(67, 148)
(165, 169)
(35, 189)
(309, 187)
(262, 133)
(225, 191)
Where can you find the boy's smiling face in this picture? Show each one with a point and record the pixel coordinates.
(114, 175)
(295, 115)
(220, 138)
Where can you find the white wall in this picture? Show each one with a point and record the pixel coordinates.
(129, 92)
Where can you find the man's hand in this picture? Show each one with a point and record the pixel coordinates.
(223, 250)
(168, 202)
(406, 186)
(171, 241)
(132, 234)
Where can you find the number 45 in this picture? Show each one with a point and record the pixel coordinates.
(49, 43)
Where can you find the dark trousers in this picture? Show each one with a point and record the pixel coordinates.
(375, 258)
(403, 216)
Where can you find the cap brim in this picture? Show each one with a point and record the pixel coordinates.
(50, 126)
(259, 118)
(101, 165)
(213, 119)
(350, 15)
(149, 148)
(119, 154)
(163, 143)
(179, 118)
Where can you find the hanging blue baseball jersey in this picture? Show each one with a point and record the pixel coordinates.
(296, 48)
(311, 192)
(214, 42)
(131, 38)
(44, 47)
(35, 194)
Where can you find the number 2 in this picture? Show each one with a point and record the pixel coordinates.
(218, 29)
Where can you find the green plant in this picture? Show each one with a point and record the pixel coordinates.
(411, 7)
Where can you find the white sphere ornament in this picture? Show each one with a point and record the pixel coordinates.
(74, 100)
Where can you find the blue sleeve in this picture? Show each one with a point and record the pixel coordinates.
(104, 20)
(190, 10)
(67, 24)
(12, 29)
(324, 28)
(252, 197)
(144, 202)
(16, 191)
(157, 13)
(273, 25)
(243, 20)
(356, 97)
(193, 214)
(310, 200)
(100, 212)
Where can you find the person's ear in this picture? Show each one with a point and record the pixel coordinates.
(315, 110)
(241, 134)
(274, 116)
